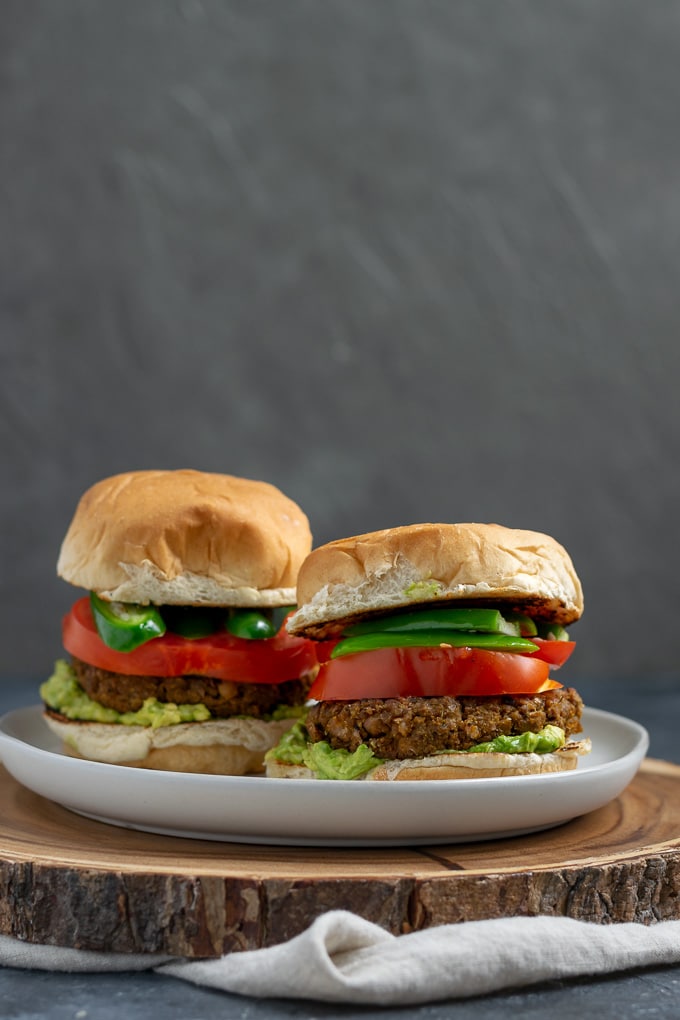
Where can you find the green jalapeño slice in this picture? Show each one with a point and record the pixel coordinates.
(486, 621)
(436, 625)
(125, 626)
(433, 639)
(255, 624)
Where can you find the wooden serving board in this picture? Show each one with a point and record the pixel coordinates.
(69, 881)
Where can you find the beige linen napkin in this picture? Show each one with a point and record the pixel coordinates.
(343, 958)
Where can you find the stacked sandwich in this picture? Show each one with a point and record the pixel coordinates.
(178, 657)
(439, 644)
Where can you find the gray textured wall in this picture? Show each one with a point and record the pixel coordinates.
(409, 260)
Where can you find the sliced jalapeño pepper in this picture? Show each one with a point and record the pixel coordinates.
(125, 626)
(432, 639)
(250, 624)
(430, 618)
(527, 626)
(552, 632)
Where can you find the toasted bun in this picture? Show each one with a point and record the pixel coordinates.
(186, 538)
(434, 562)
(480, 765)
(232, 747)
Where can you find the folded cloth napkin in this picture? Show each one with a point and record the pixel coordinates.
(343, 958)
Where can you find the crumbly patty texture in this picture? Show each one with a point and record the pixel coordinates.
(222, 698)
(415, 727)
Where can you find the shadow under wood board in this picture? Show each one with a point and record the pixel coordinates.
(71, 881)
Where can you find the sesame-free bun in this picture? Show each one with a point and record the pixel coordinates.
(468, 765)
(186, 538)
(419, 563)
(231, 747)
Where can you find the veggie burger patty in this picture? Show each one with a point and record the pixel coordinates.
(224, 698)
(415, 727)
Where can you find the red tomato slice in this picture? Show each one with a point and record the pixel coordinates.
(430, 672)
(221, 656)
(555, 653)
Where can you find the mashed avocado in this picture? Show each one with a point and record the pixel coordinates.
(63, 693)
(291, 747)
(550, 738)
(423, 590)
(294, 749)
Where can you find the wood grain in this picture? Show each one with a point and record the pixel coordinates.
(66, 880)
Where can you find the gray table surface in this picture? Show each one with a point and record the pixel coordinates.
(648, 993)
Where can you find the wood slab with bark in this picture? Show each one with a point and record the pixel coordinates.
(69, 881)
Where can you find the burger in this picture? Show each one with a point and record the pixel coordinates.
(177, 654)
(438, 644)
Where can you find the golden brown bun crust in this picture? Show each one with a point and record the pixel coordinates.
(212, 761)
(481, 765)
(186, 537)
(480, 563)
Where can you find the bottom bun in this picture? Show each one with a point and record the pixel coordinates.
(474, 765)
(232, 747)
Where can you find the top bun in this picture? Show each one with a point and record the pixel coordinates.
(186, 538)
(420, 563)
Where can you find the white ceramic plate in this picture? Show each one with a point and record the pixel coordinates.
(304, 812)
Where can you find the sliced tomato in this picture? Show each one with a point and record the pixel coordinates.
(430, 672)
(222, 656)
(555, 653)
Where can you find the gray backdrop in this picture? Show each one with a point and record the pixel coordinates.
(410, 260)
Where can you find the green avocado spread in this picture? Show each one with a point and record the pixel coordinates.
(63, 693)
(326, 763)
(550, 738)
(423, 590)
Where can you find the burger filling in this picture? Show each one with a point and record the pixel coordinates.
(222, 698)
(432, 680)
(344, 740)
(82, 692)
(416, 727)
(163, 665)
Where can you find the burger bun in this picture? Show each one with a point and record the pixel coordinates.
(466, 765)
(399, 567)
(233, 747)
(186, 538)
